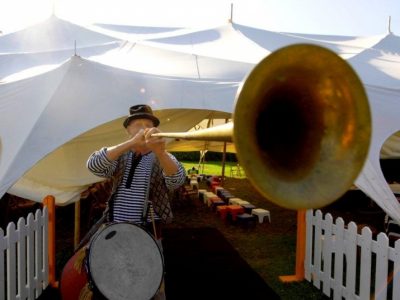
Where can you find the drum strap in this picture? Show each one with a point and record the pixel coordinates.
(147, 203)
(92, 231)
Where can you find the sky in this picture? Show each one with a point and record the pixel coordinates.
(338, 17)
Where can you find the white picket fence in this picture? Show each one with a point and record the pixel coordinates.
(348, 265)
(24, 262)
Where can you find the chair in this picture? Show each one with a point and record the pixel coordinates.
(234, 211)
(261, 214)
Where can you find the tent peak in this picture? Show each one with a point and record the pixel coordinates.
(231, 18)
(389, 25)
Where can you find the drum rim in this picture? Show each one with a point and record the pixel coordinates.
(96, 235)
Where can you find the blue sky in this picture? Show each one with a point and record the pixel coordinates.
(341, 17)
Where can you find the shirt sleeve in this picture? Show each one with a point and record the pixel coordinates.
(176, 180)
(100, 165)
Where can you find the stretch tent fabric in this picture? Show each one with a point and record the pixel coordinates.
(137, 33)
(53, 34)
(242, 43)
(48, 44)
(44, 112)
(148, 59)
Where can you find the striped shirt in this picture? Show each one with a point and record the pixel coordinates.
(129, 201)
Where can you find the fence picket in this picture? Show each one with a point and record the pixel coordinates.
(45, 218)
(11, 261)
(3, 246)
(317, 249)
(30, 243)
(351, 260)
(327, 254)
(339, 253)
(38, 253)
(365, 271)
(381, 274)
(309, 234)
(21, 249)
(396, 271)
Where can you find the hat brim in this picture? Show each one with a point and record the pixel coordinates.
(155, 120)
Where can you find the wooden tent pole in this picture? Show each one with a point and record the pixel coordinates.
(223, 165)
(300, 249)
(77, 223)
(224, 160)
(50, 203)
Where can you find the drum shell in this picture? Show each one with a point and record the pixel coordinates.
(73, 280)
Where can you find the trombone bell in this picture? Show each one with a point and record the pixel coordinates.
(302, 126)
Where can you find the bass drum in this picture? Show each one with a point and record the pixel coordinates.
(123, 262)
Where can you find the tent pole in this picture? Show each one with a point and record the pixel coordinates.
(224, 159)
(77, 223)
(223, 165)
(300, 249)
(49, 201)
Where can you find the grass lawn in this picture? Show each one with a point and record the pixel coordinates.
(213, 168)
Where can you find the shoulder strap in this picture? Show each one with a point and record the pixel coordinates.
(148, 186)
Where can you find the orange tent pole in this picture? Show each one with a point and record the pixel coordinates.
(300, 249)
(50, 203)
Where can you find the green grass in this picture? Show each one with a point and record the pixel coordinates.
(213, 168)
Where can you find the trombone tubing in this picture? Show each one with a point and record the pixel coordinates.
(221, 133)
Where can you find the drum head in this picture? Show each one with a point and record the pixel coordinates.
(125, 262)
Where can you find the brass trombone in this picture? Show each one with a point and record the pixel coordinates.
(301, 127)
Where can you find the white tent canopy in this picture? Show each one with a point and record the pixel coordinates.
(19, 65)
(52, 34)
(81, 95)
(212, 120)
(221, 42)
(48, 44)
(153, 60)
(344, 46)
(242, 43)
(138, 33)
(379, 65)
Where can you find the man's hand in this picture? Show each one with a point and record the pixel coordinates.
(155, 144)
(138, 141)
